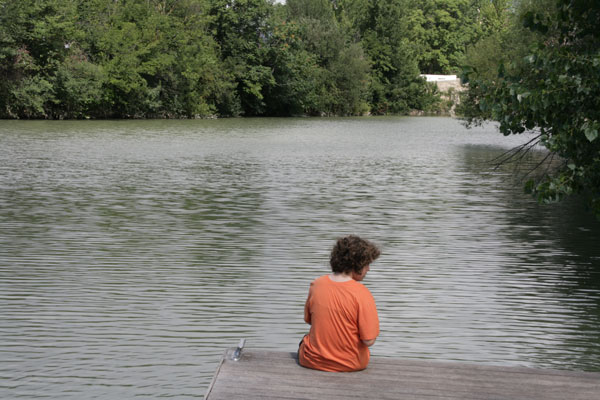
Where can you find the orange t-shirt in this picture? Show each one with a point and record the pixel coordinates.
(341, 314)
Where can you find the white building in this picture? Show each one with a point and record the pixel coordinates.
(439, 78)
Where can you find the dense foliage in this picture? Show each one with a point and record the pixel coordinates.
(198, 58)
(548, 82)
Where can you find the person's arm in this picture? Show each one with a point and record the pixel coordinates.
(368, 321)
(307, 318)
(369, 342)
(307, 314)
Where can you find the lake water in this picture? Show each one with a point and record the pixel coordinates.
(133, 253)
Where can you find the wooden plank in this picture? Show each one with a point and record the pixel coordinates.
(277, 375)
(212, 382)
(451, 372)
(390, 389)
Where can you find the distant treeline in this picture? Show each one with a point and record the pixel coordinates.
(201, 58)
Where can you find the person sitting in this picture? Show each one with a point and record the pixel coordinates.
(341, 311)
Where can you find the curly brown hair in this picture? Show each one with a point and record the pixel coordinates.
(352, 254)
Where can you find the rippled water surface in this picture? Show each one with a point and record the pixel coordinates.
(132, 254)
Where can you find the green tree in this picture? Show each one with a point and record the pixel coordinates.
(505, 40)
(343, 68)
(442, 30)
(296, 72)
(194, 82)
(396, 86)
(554, 90)
(191, 58)
(157, 56)
(241, 28)
(77, 86)
(33, 40)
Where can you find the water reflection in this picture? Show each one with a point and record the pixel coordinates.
(133, 253)
(555, 270)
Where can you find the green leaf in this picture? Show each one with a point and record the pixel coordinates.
(523, 95)
(591, 134)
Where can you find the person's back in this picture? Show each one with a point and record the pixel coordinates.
(341, 311)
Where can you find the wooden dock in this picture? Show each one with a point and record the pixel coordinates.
(277, 375)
